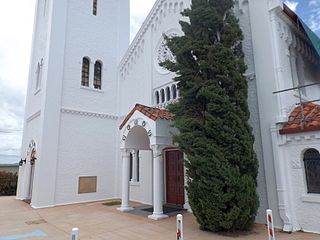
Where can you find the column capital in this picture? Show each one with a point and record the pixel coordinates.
(125, 152)
(157, 149)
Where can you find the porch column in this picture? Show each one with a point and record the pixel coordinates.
(135, 157)
(125, 181)
(157, 183)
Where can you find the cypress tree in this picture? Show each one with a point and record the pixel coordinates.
(212, 117)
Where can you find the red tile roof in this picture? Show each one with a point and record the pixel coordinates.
(295, 123)
(150, 112)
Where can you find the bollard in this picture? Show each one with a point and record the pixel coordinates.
(270, 225)
(179, 227)
(75, 234)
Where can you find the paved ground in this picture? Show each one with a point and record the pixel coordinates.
(98, 222)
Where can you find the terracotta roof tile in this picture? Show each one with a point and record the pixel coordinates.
(295, 123)
(150, 112)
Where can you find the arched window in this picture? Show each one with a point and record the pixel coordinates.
(174, 91)
(85, 72)
(168, 93)
(311, 160)
(162, 96)
(157, 97)
(97, 75)
(95, 7)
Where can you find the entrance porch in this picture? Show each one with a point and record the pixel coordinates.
(149, 129)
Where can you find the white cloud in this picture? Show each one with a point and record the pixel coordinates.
(314, 15)
(16, 23)
(139, 11)
(292, 4)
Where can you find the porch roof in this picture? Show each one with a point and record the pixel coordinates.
(296, 124)
(150, 112)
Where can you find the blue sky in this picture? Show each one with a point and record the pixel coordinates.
(309, 11)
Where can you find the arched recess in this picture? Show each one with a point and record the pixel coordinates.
(137, 138)
(311, 159)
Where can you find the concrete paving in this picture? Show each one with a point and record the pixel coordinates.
(97, 221)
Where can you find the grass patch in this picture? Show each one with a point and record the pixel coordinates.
(113, 203)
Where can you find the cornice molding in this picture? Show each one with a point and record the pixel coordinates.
(89, 114)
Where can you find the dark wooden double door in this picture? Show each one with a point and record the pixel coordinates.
(174, 178)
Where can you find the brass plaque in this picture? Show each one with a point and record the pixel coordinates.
(87, 185)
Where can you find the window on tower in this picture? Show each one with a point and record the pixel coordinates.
(85, 72)
(97, 75)
(94, 7)
(39, 75)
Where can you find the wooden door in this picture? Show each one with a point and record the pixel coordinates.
(174, 178)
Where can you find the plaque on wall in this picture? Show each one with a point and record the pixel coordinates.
(87, 185)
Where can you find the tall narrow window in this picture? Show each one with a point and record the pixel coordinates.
(162, 96)
(174, 91)
(311, 160)
(97, 75)
(95, 7)
(85, 72)
(168, 93)
(157, 97)
(39, 75)
(138, 166)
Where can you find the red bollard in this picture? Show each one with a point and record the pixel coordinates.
(270, 225)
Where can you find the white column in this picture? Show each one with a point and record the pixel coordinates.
(135, 157)
(157, 183)
(125, 181)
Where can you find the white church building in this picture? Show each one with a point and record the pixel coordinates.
(96, 127)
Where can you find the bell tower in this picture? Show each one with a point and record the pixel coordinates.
(72, 87)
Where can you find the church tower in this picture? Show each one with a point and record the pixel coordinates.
(70, 114)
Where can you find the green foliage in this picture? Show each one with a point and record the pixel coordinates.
(8, 183)
(212, 117)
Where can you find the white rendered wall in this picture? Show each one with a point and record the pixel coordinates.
(89, 115)
(305, 207)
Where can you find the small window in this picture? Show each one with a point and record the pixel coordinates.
(168, 94)
(97, 75)
(162, 96)
(174, 91)
(85, 72)
(157, 97)
(95, 7)
(39, 74)
(311, 160)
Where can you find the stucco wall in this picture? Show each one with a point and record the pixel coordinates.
(305, 207)
(87, 147)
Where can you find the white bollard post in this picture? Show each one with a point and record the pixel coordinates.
(270, 225)
(75, 234)
(179, 227)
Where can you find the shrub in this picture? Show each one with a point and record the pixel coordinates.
(8, 183)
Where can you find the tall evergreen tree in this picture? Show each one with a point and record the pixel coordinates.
(212, 117)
